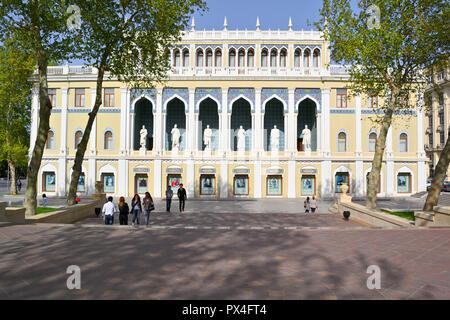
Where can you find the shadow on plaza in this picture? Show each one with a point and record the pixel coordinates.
(189, 264)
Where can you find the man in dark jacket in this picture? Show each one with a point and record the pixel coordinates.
(181, 197)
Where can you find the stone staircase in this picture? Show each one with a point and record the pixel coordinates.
(333, 208)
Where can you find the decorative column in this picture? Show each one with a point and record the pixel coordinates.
(326, 188)
(359, 172)
(224, 179)
(286, 130)
(190, 179)
(62, 161)
(292, 132)
(157, 178)
(63, 133)
(257, 187)
(158, 132)
(123, 121)
(224, 130)
(390, 176)
(291, 179)
(127, 110)
(326, 121)
(259, 133)
(192, 131)
(92, 165)
(421, 166)
(122, 176)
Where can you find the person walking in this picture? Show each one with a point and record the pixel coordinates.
(169, 196)
(182, 197)
(44, 200)
(109, 209)
(19, 185)
(313, 204)
(148, 206)
(124, 210)
(136, 209)
(307, 205)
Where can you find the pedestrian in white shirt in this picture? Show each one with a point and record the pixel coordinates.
(313, 204)
(109, 209)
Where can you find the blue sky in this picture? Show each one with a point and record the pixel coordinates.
(274, 14)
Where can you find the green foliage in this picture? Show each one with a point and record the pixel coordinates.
(130, 39)
(16, 65)
(412, 34)
(403, 214)
(40, 210)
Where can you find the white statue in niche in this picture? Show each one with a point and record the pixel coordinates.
(241, 139)
(143, 134)
(275, 138)
(175, 137)
(207, 135)
(306, 133)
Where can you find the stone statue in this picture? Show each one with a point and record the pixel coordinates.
(175, 137)
(306, 133)
(241, 139)
(143, 134)
(275, 138)
(207, 135)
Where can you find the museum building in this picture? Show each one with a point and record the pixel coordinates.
(242, 114)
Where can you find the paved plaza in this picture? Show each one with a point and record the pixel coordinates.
(224, 256)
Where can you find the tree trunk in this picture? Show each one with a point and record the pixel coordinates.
(44, 120)
(378, 160)
(81, 148)
(438, 178)
(12, 169)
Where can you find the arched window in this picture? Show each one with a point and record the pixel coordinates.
(403, 145)
(342, 142)
(199, 58)
(108, 143)
(241, 60)
(250, 58)
(316, 57)
(218, 62)
(185, 58)
(306, 57)
(232, 59)
(264, 58)
(177, 59)
(372, 141)
(50, 144)
(297, 57)
(372, 101)
(78, 137)
(209, 57)
(283, 58)
(273, 58)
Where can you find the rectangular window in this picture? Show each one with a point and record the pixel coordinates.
(264, 61)
(81, 187)
(48, 182)
(308, 185)
(241, 185)
(403, 100)
(341, 101)
(108, 182)
(207, 184)
(430, 140)
(403, 143)
(372, 101)
(441, 118)
(341, 178)
(342, 142)
(174, 181)
(80, 98)
(372, 142)
(52, 96)
(141, 183)
(274, 185)
(109, 97)
(404, 183)
(442, 138)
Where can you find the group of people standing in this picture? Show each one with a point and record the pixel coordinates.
(310, 205)
(146, 206)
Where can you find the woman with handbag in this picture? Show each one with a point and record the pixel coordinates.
(148, 206)
(136, 208)
(124, 211)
